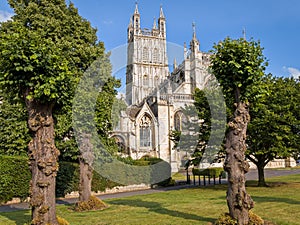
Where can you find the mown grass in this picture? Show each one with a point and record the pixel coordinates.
(279, 203)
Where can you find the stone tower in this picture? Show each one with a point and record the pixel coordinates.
(147, 62)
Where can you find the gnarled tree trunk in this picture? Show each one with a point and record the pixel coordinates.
(238, 201)
(43, 156)
(86, 161)
(85, 184)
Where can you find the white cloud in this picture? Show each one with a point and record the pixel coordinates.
(294, 72)
(4, 16)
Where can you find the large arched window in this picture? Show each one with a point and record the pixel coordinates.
(179, 120)
(155, 55)
(145, 132)
(145, 80)
(145, 54)
(156, 81)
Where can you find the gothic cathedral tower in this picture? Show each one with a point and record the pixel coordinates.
(147, 62)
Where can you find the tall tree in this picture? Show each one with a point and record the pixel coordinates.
(273, 130)
(238, 65)
(14, 134)
(44, 50)
(93, 109)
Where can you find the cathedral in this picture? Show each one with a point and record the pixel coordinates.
(156, 96)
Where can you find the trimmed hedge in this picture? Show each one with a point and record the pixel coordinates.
(68, 180)
(212, 172)
(14, 177)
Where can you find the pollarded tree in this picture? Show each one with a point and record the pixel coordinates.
(239, 66)
(44, 50)
(14, 134)
(273, 130)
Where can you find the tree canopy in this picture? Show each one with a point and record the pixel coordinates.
(274, 127)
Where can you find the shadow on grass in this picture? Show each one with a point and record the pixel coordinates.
(275, 199)
(19, 217)
(158, 208)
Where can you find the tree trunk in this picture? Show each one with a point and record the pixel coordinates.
(85, 184)
(43, 156)
(86, 171)
(238, 201)
(261, 175)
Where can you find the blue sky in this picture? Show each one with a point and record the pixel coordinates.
(275, 23)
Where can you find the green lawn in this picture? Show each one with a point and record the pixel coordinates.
(279, 203)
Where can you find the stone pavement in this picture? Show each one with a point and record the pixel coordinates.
(252, 175)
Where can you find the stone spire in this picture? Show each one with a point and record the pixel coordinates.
(161, 14)
(194, 45)
(174, 64)
(136, 11)
(154, 24)
(194, 31)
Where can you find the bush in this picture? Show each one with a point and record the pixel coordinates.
(62, 221)
(67, 180)
(14, 177)
(93, 203)
(214, 171)
(255, 219)
(226, 219)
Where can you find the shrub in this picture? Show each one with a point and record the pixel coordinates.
(68, 180)
(62, 221)
(226, 219)
(93, 203)
(14, 177)
(255, 219)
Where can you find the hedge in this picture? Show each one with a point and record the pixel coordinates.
(15, 177)
(212, 172)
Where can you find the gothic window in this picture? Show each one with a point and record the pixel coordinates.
(179, 120)
(155, 55)
(162, 27)
(156, 81)
(145, 132)
(145, 80)
(145, 54)
(137, 23)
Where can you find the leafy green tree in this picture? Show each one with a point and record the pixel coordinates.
(14, 133)
(272, 131)
(92, 109)
(239, 66)
(44, 51)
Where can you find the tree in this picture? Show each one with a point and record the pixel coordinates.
(273, 128)
(238, 65)
(14, 133)
(97, 77)
(44, 50)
